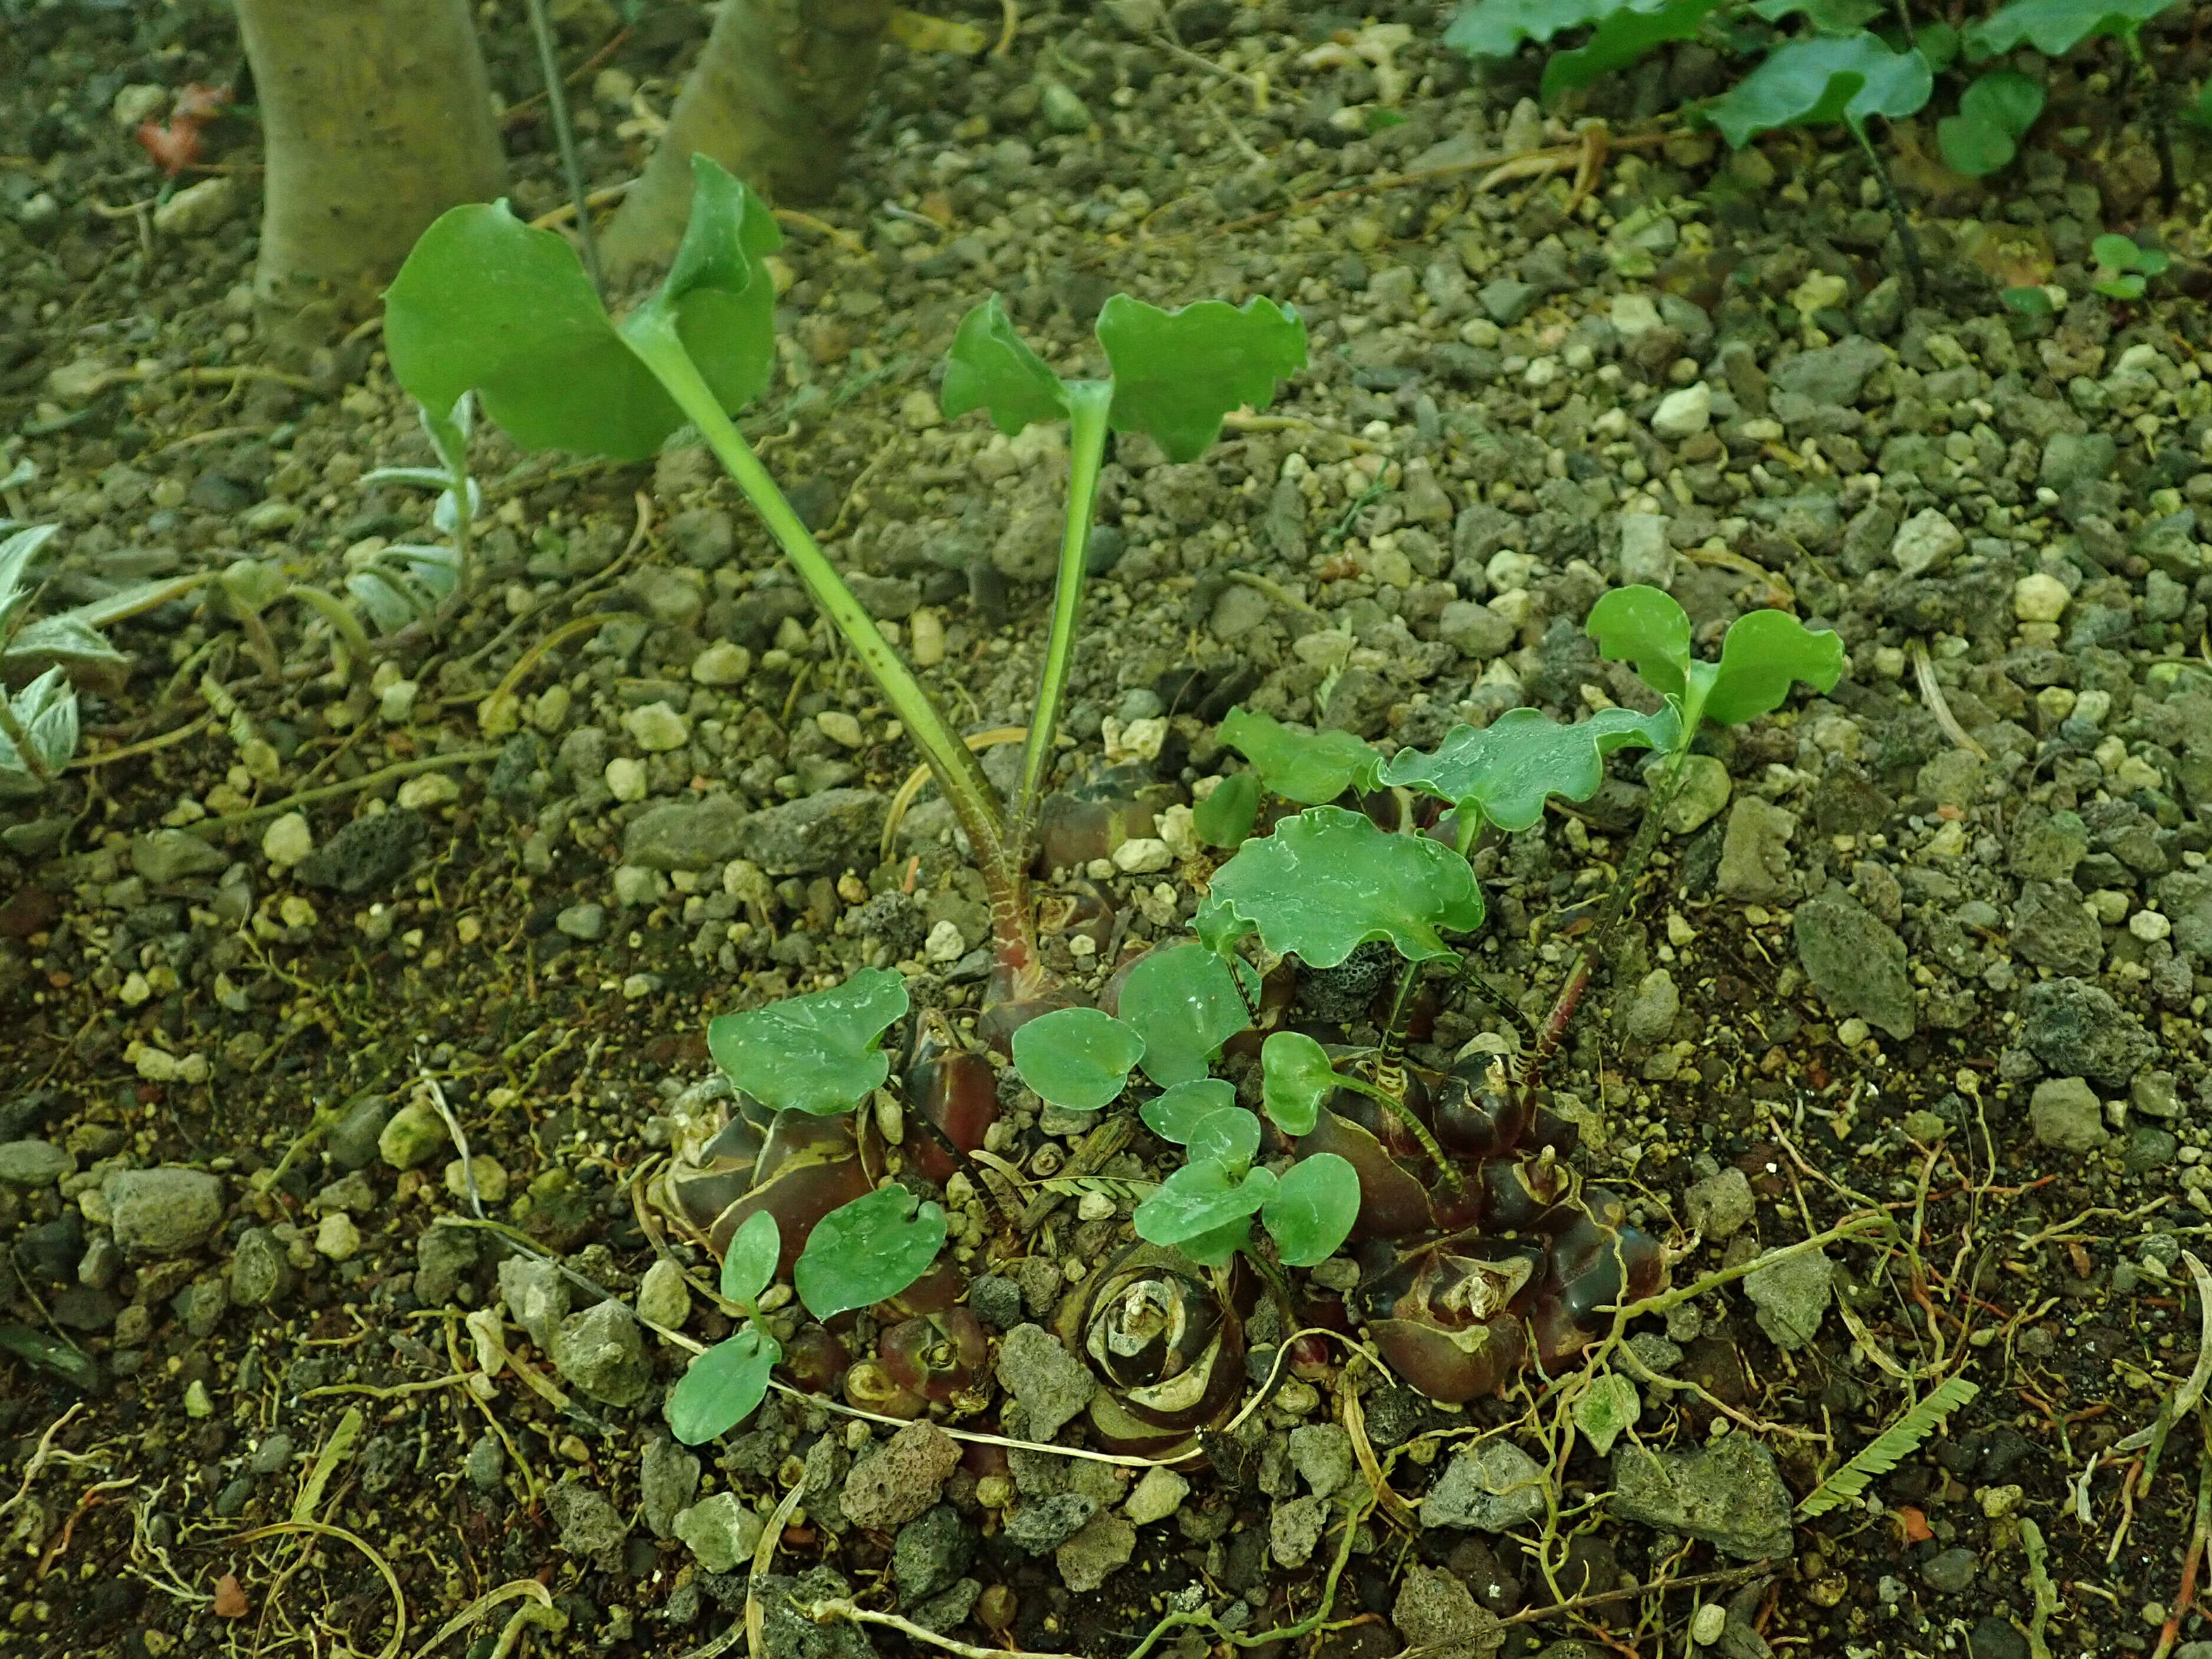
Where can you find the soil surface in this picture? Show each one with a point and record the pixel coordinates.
(1933, 948)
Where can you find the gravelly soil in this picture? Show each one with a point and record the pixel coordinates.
(1937, 944)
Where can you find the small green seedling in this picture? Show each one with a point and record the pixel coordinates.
(819, 1052)
(1995, 113)
(2123, 267)
(39, 724)
(413, 581)
(727, 1384)
(1762, 653)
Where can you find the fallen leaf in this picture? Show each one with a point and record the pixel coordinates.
(230, 1601)
(1913, 1524)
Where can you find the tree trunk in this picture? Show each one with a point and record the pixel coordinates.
(775, 96)
(379, 119)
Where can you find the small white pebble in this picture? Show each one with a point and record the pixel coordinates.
(288, 841)
(2149, 925)
(625, 778)
(1707, 1623)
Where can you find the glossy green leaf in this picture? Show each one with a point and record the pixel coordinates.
(1077, 1058)
(2115, 252)
(1826, 16)
(2028, 301)
(1216, 1248)
(1181, 1001)
(816, 1052)
(2130, 287)
(1644, 626)
(1496, 28)
(1218, 927)
(1295, 1078)
(1228, 1137)
(1177, 374)
(1199, 1198)
(1310, 1212)
(1509, 768)
(1328, 881)
(1224, 817)
(485, 303)
(1606, 1410)
(1307, 767)
(2055, 28)
(1621, 37)
(1819, 81)
(1763, 653)
(722, 1387)
(750, 1262)
(864, 1251)
(1174, 1114)
(991, 368)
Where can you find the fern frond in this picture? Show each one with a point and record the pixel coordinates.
(1899, 1442)
(1121, 1192)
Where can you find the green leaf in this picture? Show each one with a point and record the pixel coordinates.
(1973, 146)
(1310, 1212)
(1077, 1058)
(1216, 1249)
(1938, 43)
(2004, 98)
(1199, 1198)
(2151, 260)
(815, 1053)
(722, 1387)
(485, 303)
(1506, 769)
(1496, 28)
(1174, 1113)
(1899, 1442)
(65, 638)
(15, 556)
(1177, 372)
(864, 1251)
(1826, 16)
(2055, 28)
(1820, 81)
(2027, 301)
(1218, 927)
(1182, 1003)
(1328, 881)
(1764, 652)
(2130, 287)
(991, 368)
(1307, 767)
(1295, 1078)
(1644, 626)
(1605, 1410)
(1229, 1138)
(1224, 817)
(1621, 38)
(750, 1262)
(2115, 252)
(47, 710)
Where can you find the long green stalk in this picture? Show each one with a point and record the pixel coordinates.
(1087, 403)
(957, 771)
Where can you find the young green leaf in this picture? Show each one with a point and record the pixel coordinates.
(1309, 767)
(2028, 301)
(719, 291)
(1496, 28)
(1310, 1212)
(722, 1387)
(2055, 28)
(991, 368)
(1077, 1058)
(1199, 1198)
(1605, 1410)
(750, 1262)
(2115, 252)
(1620, 38)
(1182, 1000)
(1216, 1248)
(47, 710)
(1644, 626)
(1228, 1137)
(1295, 1080)
(1506, 769)
(1224, 817)
(816, 1052)
(1820, 80)
(864, 1251)
(1896, 1443)
(1328, 881)
(1995, 113)
(16, 589)
(1174, 1113)
(1826, 16)
(1177, 374)
(1763, 653)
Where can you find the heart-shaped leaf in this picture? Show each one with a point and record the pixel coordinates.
(1182, 1000)
(1077, 1058)
(1227, 1137)
(1310, 1212)
(1506, 769)
(1198, 1198)
(1295, 1078)
(1820, 80)
(1623, 35)
(722, 1387)
(750, 1262)
(1995, 111)
(1307, 767)
(815, 1053)
(1763, 653)
(1224, 817)
(1177, 372)
(867, 1251)
(2055, 28)
(991, 368)
(1328, 881)
(1174, 1114)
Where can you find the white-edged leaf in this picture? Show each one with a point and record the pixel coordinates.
(66, 637)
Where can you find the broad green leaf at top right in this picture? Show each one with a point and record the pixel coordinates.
(2055, 28)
